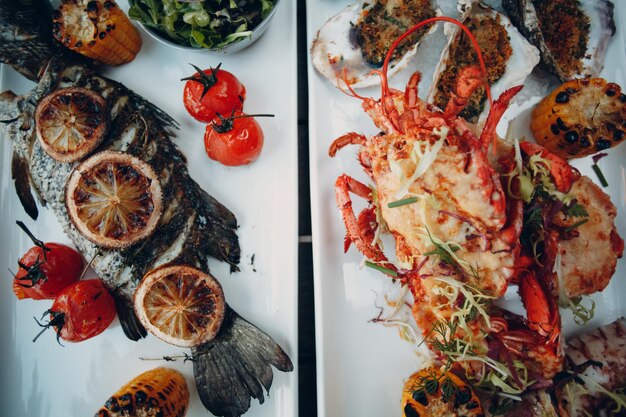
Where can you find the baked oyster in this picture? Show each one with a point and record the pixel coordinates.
(572, 35)
(509, 57)
(353, 43)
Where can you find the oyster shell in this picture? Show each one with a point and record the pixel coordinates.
(508, 56)
(356, 39)
(572, 35)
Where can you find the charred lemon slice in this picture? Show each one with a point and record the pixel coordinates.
(434, 393)
(71, 123)
(114, 199)
(581, 117)
(180, 304)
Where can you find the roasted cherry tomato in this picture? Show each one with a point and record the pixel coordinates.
(81, 311)
(235, 140)
(45, 269)
(212, 91)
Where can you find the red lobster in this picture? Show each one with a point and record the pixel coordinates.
(437, 193)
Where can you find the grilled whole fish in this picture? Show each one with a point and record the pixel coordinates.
(236, 365)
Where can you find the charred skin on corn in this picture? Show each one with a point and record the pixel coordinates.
(581, 117)
(160, 392)
(98, 29)
(436, 392)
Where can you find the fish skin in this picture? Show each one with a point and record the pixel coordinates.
(230, 369)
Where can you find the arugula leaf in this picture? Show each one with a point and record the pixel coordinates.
(201, 24)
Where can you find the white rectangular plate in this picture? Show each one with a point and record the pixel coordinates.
(44, 379)
(361, 366)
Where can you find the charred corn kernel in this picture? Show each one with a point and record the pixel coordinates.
(98, 29)
(432, 392)
(581, 117)
(160, 392)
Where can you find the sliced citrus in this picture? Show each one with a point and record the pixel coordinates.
(71, 123)
(114, 199)
(180, 304)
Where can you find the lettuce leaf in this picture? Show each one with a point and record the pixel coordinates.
(210, 24)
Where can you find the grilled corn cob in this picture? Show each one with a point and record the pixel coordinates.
(160, 392)
(433, 392)
(581, 117)
(98, 29)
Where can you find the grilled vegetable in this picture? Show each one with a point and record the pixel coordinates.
(211, 92)
(581, 117)
(81, 311)
(98, 29)
(235, 140)
(45, 269)
(159, 392)
(432, 392)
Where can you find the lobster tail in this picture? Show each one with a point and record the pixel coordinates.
(25, 35)
(236, 366)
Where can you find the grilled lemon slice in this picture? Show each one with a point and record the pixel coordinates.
(114, 199)
(581, 117)
(180, 304)
(71, 123)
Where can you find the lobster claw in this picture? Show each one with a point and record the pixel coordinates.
(542, 311)
(562, 173)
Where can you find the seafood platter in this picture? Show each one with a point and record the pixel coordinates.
(149, 238)
(469, 207)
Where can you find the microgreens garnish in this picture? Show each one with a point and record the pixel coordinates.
(582, 314)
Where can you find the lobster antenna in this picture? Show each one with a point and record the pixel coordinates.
(384, 84)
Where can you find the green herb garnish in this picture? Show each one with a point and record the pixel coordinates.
(381, 268)
(575, 225)
(403, 202)
(600, 175)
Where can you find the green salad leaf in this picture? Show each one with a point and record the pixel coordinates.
(210, 24)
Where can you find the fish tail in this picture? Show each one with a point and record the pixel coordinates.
(236, 366)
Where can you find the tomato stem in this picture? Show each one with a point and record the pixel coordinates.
(226, 123)
(32, 237)
(203, 78)
(58, 321)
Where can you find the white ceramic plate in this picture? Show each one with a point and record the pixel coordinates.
(44, 379)
(361, 366)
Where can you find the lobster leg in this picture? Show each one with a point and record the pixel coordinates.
(468, 80)
(351, 138)
(343, 186)
(495, 114)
